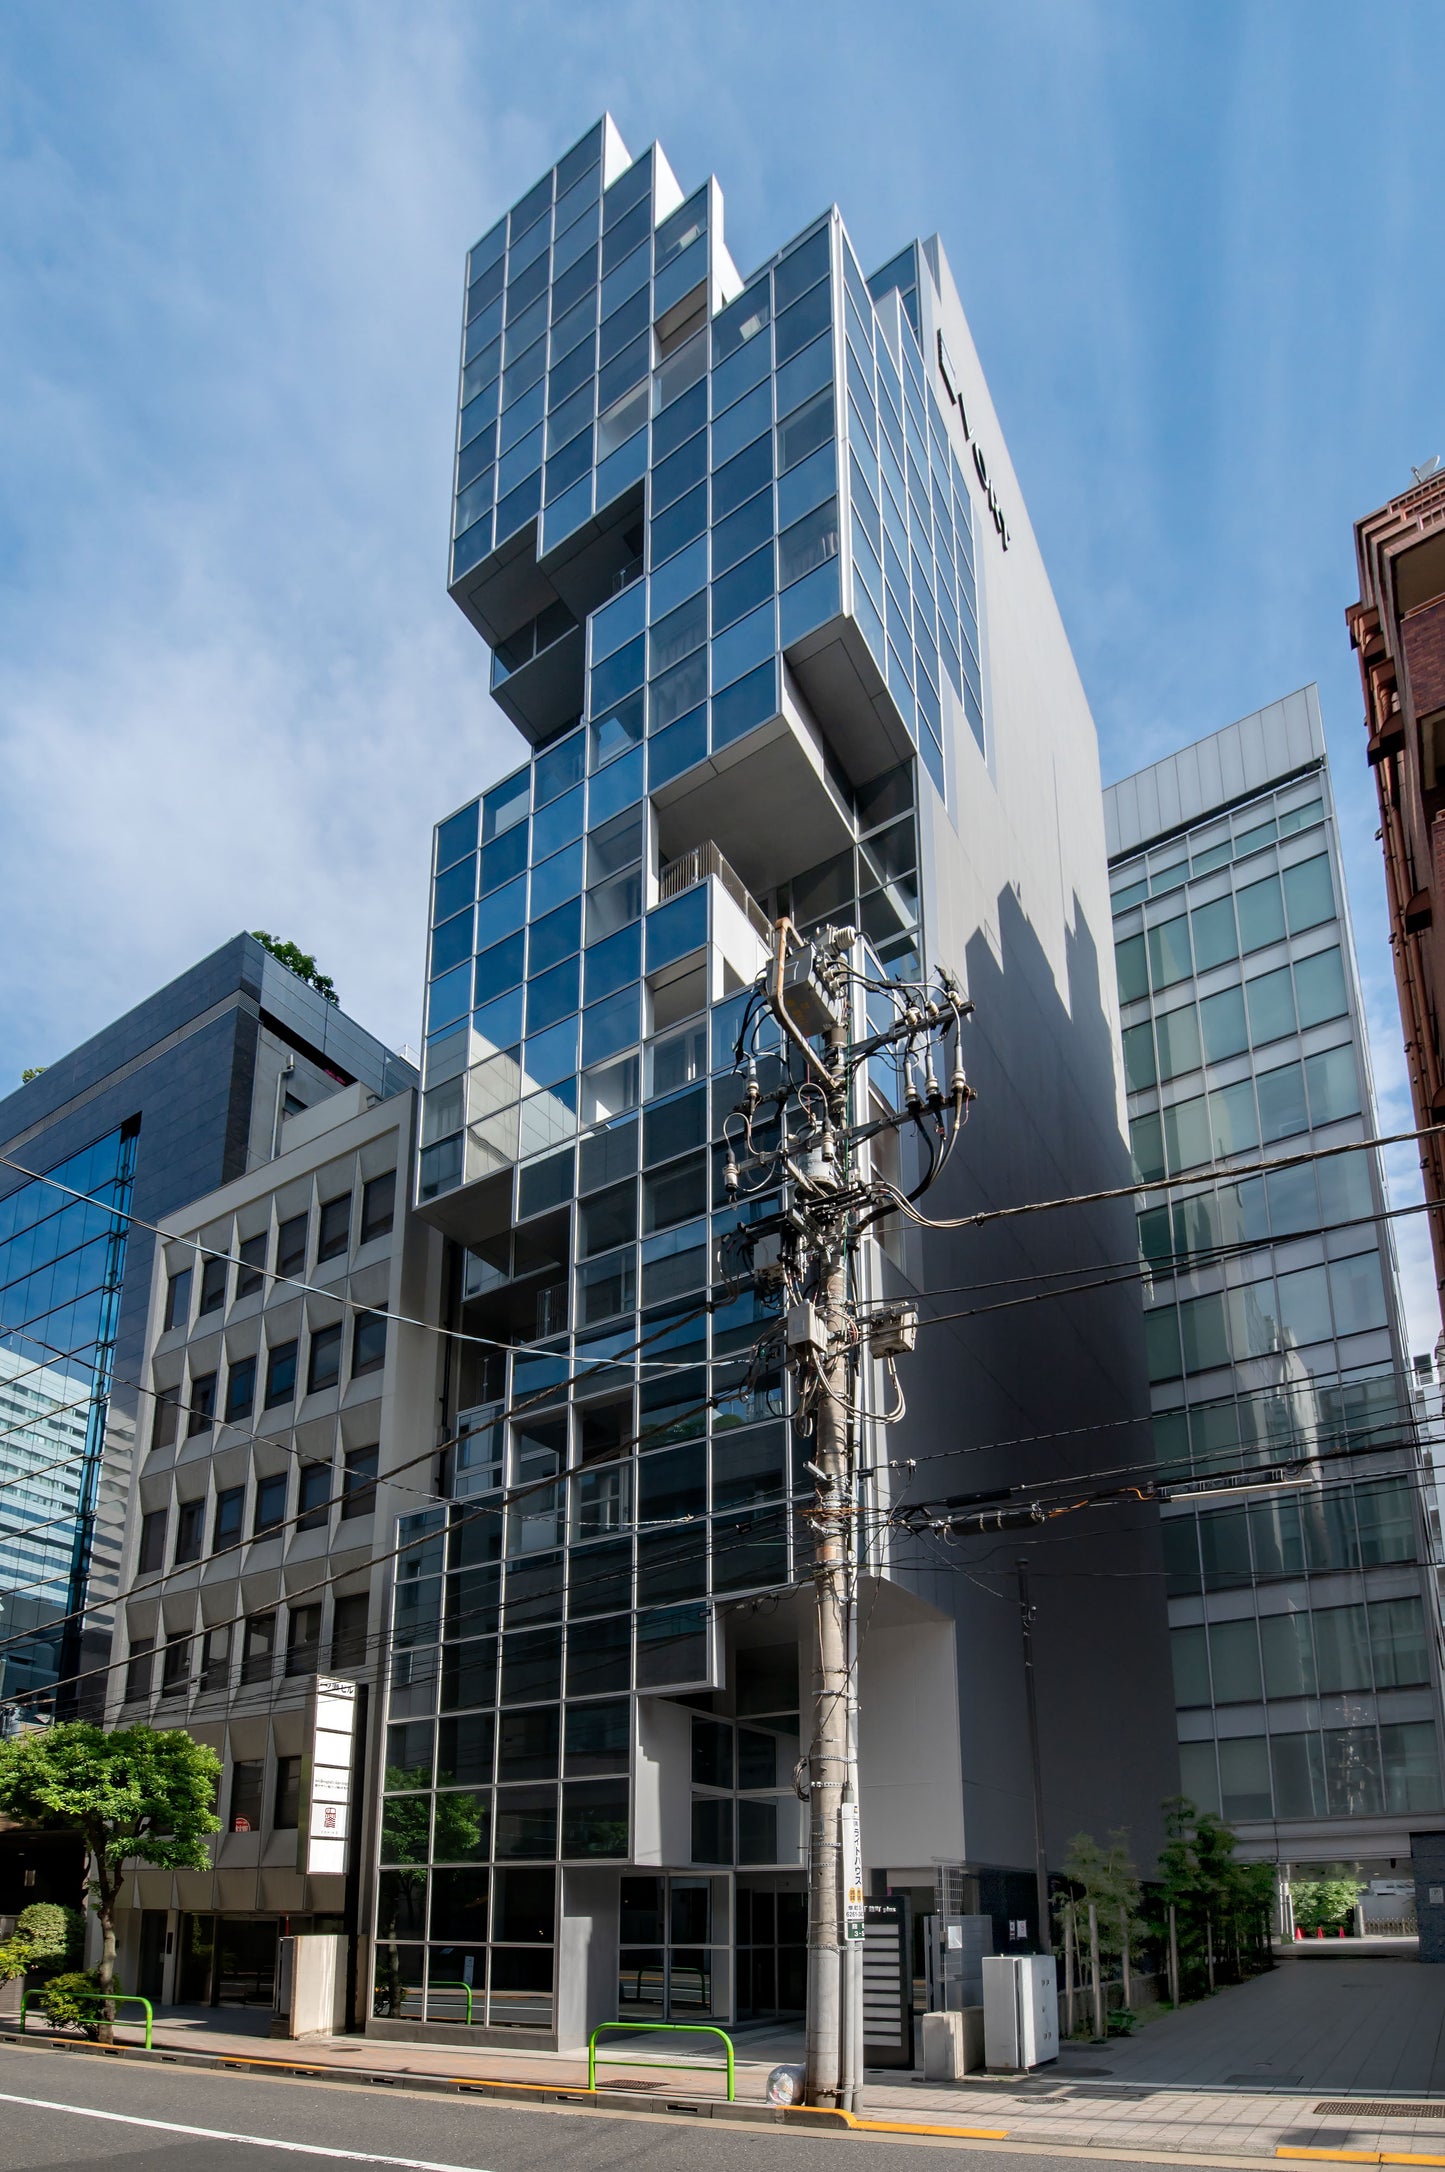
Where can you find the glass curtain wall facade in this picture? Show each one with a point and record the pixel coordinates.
(680, 497)
(61, 1265)
(1303, 1629)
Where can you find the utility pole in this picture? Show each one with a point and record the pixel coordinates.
(805, 1255)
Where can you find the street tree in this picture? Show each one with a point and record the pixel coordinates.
(134, 1795)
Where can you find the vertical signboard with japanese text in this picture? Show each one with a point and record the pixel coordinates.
(323, 1827)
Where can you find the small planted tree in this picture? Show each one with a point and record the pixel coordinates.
(1106, 1878)
(134, 1795)
(1221, 1907)
(45, 1935)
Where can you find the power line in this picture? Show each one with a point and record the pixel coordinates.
(312, 1289)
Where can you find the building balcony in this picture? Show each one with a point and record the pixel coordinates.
(538, 673)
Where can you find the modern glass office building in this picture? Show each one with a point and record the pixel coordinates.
(62, 1262)
(1303, 1621)
(723, 537)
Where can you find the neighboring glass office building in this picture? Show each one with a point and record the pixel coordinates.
(184, 1091)
(62, 1262)
(1304, 1626)
(723, 538)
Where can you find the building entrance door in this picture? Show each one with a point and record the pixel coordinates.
(245, 1961)
(673, 1950)
(197, 1954)
(772, 1950)
(150, 1972)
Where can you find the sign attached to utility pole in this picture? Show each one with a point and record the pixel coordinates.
(321, 1839)
(852, 1871)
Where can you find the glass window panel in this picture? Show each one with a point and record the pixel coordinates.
(1270, 997)
(1190, 1654)
(810, 542)
(1199, 1774)
(1399, 1643)
(1244, 1777)
(1289, 1657)
(1304, 1305)
(1281, 1102)
(1169, 958)
(1234, 1661)
(742, 532)
(746, 420)
(680, 524)
(1178, 1038)
(1131, 964)
(1139, 1070)
(1320, 987)
(1333, 1084)
(1187, 1134)
(1411, 1763)
(1261, 914)
(1214, 936)
(1309, 897)
(1222, 1025)
(1358, 1290)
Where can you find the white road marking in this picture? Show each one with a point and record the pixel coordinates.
(220, 2134)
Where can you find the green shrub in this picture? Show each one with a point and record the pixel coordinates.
(64, 2005)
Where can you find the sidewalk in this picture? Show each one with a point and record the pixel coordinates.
(1214, 2080)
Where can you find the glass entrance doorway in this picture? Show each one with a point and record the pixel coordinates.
(772, 1948)
(673, 1950)
(227, 1961)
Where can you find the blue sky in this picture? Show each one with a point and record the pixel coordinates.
(1198, 244)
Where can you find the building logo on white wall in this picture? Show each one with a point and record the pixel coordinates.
(950, 385)
(326, 1797)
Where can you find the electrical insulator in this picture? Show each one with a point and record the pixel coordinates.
(730, 1175)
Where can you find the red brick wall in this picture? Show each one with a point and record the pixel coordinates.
(1423, 633)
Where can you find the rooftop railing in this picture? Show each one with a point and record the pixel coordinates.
(694, 866)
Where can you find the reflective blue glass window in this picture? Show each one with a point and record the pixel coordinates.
(808, 427)
(614, 733)
(486, 285)
(473, 502)
(742, 423)
(738, 480)
(807, 485)
(479, 373)
(551, 1056)
(456, 836)
(611, 964)
(625, 369)
(616, 787)
(799, 325)
(447, 998)
(679, 472)
(622, 327)
(522, 460)
(677, 635)
(743, 646)
(677, 748)
(677, 691)
(742, 532)
(476, 458)
(498, 1024)
(557, 768)
(611, 1025)
(804, 375)
(742, 320)
(731, 379)
(748, 702)
(801, 268)
(575, 370)
(680, 578)
(552, 995)
(557, 824)
(672, 931)
(528, 285)
(555, 880)
(623, 234)
(451, 942)
(669, 531)
(519, 506)
(500, 967)
(555, 937)
(616, 676)
(574, 262)
(505, 857)
(741, 590)
(625, 280)
(456, 888)
(574, 414)
(617, 621)
(488, 250)
(677, 422)
(569, 331)
(501, 912)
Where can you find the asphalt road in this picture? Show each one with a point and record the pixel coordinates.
(60, 2109)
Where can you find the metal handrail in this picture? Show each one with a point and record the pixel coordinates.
(694, 866)
(669, 2028)
(432, 1986)
(102, 1998)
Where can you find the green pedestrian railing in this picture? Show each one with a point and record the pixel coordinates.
(662, 2028)
(464, 1988)
(101, 1998)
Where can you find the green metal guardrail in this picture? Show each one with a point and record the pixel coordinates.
(101, 1998)
(667, 2028)
(424, 1998)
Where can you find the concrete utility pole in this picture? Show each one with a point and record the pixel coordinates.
(1036, 1776)
(805, 1254)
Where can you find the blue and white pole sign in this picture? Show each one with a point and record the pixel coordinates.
(852, 1871)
